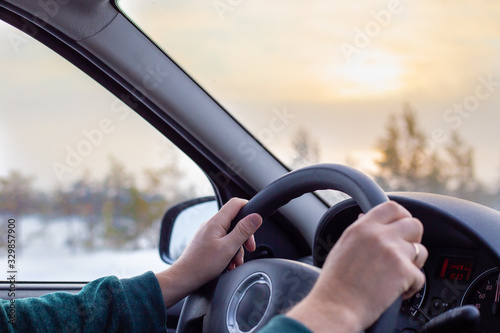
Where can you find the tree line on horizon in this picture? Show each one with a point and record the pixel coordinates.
(118, 212)
(410, 161)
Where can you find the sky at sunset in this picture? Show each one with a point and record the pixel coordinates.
(340, 68)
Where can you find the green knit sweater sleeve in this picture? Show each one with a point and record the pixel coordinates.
(284, 324)
(104, 305)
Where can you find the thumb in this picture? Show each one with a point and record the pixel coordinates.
(245, 229)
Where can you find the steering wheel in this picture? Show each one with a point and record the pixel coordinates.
(246, 298)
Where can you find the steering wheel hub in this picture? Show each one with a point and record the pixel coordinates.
(249, 303)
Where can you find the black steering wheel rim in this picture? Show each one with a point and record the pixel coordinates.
(338, 177)
(292, 185)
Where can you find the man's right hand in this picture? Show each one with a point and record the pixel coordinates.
(374, 262)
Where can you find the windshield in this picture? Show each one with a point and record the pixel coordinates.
(405, 91)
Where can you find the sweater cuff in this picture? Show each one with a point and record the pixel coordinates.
(282, 323)
(146, 300)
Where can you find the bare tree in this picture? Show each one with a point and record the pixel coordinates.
(407, 165)
(17, 195)
(404, 164)
(462, 180)
(306, 149)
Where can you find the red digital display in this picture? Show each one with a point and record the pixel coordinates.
(456, 269)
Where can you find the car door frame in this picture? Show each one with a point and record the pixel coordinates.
(227, 180)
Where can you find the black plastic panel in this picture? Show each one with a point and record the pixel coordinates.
(77, 19)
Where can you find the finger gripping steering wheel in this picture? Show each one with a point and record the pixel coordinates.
(244, 299)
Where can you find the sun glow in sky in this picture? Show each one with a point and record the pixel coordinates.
(374, 73)
(254, 56)
(298, 47)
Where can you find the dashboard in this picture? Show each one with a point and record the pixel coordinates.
(463, 265)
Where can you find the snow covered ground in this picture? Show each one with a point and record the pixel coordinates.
(45, 252)
(63, 266)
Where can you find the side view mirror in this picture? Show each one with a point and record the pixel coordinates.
(180, 224)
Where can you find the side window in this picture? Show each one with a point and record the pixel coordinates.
(84, 180)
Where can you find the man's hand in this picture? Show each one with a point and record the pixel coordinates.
(374, 261)
(210, 252)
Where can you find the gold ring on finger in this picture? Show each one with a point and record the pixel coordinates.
(417, 252)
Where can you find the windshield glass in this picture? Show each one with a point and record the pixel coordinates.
(406, 91)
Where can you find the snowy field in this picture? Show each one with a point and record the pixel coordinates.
(46, 252)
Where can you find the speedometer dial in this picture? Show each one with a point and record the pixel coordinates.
(411, 305)
(484, 294)
(412, 315)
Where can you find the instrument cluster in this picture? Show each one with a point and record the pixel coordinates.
(463, 268)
